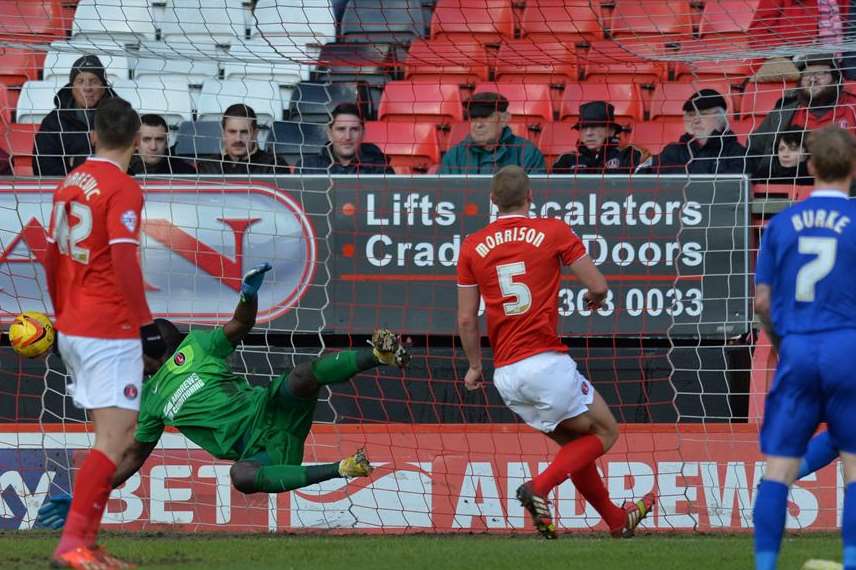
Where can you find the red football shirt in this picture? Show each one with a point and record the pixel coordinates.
(842, 114)
(97, 205)
(516, 264)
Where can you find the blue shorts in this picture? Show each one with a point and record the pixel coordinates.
(814, 383)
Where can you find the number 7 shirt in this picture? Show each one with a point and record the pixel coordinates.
(96, 206)
(516, 264)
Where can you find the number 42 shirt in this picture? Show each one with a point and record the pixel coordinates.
(516, 264)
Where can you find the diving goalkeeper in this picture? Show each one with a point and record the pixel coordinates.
(263, 429)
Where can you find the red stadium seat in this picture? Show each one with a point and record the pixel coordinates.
(526, 101)
(536, 61)
(568, 21)
(727, 16)
(411, 101)
(486, 21)
(669, 20)
(797, 25)
(652, 136)
(760, 98)
(743, 127)
(557, 139)
(624, 96)
(412, 146)
(466, 62)
(19, 144)
(668, 98)
(611, 62)
(17, 66)
(37, 21)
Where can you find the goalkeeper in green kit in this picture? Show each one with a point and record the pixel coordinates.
(262, 429)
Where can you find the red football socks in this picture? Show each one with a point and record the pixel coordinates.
(91, 491)
(589, 484)
(571, 458)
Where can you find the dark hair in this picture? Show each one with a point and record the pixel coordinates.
(832, 152)
(239, 111)
(152, 120)
(346, 109)
(116, 123)
(509, 188)
(172, 337)
(791, 138)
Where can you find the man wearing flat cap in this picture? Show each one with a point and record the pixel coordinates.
(819, 100)
(490, 144)
(707, 147)
(63, 138)
(598, 149)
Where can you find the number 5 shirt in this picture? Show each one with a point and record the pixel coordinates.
(96, 206)
(516, 264)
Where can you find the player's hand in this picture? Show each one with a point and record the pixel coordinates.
(253, 280)
(153, 344)
(474, 379)
(53, 512)
(593, 302)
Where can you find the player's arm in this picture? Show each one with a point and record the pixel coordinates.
(244, 318)
(764, 271)
(762, 309)
(132, 461)
(469, 298)
(592, 279)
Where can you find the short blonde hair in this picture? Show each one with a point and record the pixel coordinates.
(833, 151)
(510, 188)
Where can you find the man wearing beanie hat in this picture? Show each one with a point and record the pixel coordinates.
(707, 147)
(63, 140)
(490, 144)
(598, 150)
(819, 100)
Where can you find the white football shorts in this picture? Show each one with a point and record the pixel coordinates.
(544, 389)
(105, 373)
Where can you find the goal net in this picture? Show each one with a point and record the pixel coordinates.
(674, 351)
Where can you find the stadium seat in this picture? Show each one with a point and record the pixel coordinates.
(203, 20)
(724, 17)
(526, 101)
(610, 61)
(119, 20)
(62, 56)
(421, 101)
(293, 140)
(158, 60)
(306, 22)
(652, 136)
(742, 127)
(624, 96)
(557, 139)
(407, 145)
(265, 97)
(19, 65)
(760, 98)
(797, 25)
(19, 143)
(485, 21)
(441, 60)
(168, 97)
(383, 21)
(735, 70)
(198, 138)
(36, 21)
(313, 102)
(341, 62)
(668, 21)
(536, 61)
(668, 98)
(255, 59)
(566, 21)
(37, 99)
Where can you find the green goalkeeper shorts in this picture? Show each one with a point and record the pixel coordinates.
(280, 436)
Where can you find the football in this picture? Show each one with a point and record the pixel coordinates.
(31, 334)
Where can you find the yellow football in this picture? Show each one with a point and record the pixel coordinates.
(31, 334)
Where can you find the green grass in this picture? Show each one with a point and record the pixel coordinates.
(26, 550)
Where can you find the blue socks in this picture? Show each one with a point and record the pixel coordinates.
(771, 507)
(820, 453)
(848, 527)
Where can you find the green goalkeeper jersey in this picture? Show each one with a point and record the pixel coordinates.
(196, 392)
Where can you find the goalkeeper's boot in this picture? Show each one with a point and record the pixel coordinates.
(538, 508)
(388, 348)
(112, 562)
(636, 512)
(81, 558)
(356, 465)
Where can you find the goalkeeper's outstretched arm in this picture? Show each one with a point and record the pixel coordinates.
(244, 318)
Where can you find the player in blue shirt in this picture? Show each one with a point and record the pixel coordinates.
(806, 301)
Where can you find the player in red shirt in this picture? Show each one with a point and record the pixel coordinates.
(515, 263)
(96, 287)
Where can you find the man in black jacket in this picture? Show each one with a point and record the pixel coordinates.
(598, 151)
(63, 142)
(153, 150)
(241, 153)
(346, 153)
(708, 146)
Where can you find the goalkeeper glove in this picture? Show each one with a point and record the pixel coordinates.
(53, 512)
(153, 344)
(253, 280)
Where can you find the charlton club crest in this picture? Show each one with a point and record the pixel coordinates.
(585, 388)
(179, 358)
(131, 392)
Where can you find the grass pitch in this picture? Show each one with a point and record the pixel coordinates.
(26, 550)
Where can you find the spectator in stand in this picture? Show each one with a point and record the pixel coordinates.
(5, 163)
(153, 155)
(490, 144)
(346, 153)
(63, 141)
(241, 153)
(820, 100)
(789, 165)
(598, 150)
(708, 146)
